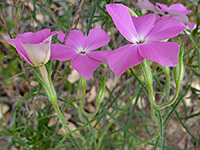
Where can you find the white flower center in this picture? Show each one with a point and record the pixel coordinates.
(139, 40)
(82, 51)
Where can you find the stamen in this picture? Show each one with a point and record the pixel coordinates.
(82, 52)
(140, 42)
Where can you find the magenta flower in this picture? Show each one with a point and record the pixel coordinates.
(34, 47)
(144, 33)
(80, 49)
(177, 10)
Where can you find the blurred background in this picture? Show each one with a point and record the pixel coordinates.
(27, 118)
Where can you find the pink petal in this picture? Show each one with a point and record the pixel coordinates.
(164, 53)
(180, 8)
(39, 54)
(84, 65)
(166, 28)
(123, 21)
(123, 58)
(96, 38)
(76, 39)
(191, 25)
(99, 55)
(161, 7)
(34, 38)
(15, 43)
(145, 4)
(62, 52)
(144, 25)
(179, 16)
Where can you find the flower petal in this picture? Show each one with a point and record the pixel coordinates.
(144, 25)
(34, 38)
(123, 21)
(192, 25)
(84, 65)
(123, 58)
(15, 43)
(76, 39)
(62, 52)
(39, 54)
(167, 27)
(164, 53)
(145, 4)
(100, 55)
(180, 8)
(96, 38)
(161, 7)
(179, 16)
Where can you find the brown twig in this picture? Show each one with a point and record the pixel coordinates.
(4, 24)
(80, 6)
(8, 56)
(20, 59)
(73, 21)
(21, 62)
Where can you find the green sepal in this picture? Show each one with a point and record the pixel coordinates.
(102, 90)
(179, 69)
(132, 13)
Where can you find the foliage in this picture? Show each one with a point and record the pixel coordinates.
(124, 119)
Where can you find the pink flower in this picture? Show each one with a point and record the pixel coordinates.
(34, 47)
(80, 49)
(177, 10)
(144, 33)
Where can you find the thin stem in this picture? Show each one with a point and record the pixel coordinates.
(196, 47)
(92, 16)
(62, 119)
(160, 129)
(154, 108)
(116, 115)
(82, 103)
(20, 59)
(4, 24)
(140, 82)
(80, 5)
(81, 110)
(73, 21)
(48, 86)
(166, 71)
(178, 77)
(149, 82)
(43, 72)
(171, 101)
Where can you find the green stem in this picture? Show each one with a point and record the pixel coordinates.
(149, 82)
(43, 72)
(61, 117)
(48, 86)
(82, 104)
(52, 95)
(167, 73)
(111, 121)
(160, 129)
(169, 103)
(100, 97)
(178, 77)
(154, 109)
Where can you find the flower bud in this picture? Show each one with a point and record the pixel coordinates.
(35, 48)
(101, 92)
(179, 69)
